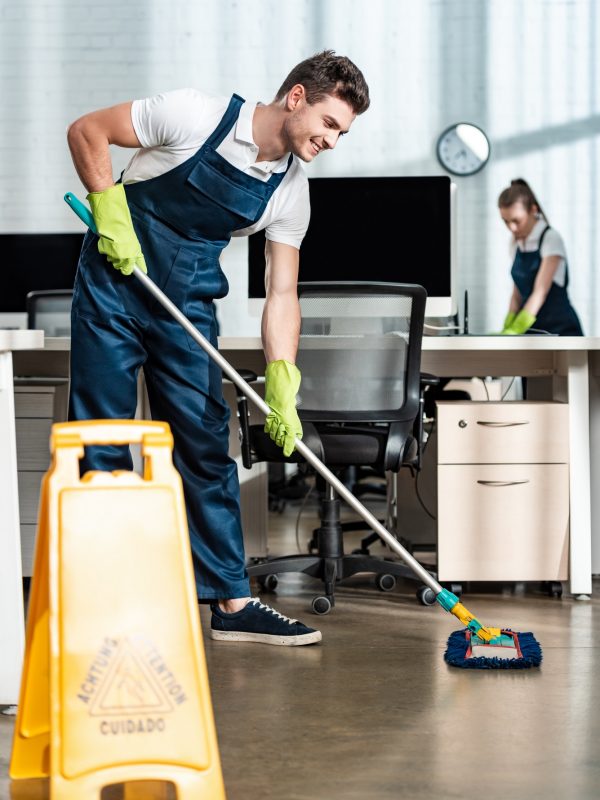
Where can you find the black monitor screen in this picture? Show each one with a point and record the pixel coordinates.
(372, 229)
(33, 261)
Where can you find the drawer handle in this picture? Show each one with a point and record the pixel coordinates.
(500, 424)
(502, 483)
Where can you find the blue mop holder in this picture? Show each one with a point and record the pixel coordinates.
(83, 212)
(447, 600)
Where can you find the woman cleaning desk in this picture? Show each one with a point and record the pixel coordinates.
(539, 301)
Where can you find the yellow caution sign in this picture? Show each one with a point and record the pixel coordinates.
(114, 686)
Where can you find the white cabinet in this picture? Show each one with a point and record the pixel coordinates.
(503, 491)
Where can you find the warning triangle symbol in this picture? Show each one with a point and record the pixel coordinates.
(130, 687)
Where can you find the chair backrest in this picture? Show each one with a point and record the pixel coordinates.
(360, 351)
(50, 310)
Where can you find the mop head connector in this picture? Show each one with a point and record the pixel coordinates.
(480, 647)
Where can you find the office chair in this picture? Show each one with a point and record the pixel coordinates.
(50, 310)
(359, 402)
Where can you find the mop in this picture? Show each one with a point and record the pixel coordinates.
(476, 646)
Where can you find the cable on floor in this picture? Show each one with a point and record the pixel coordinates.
(512, 380)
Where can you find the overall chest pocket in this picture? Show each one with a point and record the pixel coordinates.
(241, 205)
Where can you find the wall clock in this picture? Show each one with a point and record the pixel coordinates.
(463, 149)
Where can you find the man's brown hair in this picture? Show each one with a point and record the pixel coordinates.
(326, 74)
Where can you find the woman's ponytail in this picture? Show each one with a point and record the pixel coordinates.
(520, 191)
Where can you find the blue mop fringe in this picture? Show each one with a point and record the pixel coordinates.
(458, 645)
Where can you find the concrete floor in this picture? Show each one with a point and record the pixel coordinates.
(374, 713)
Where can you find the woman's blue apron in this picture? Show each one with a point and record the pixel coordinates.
(183, 220)
(557, 315)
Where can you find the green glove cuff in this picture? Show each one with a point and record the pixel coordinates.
(508, 320)
(521, 323)
(118, 240)
(282, 381)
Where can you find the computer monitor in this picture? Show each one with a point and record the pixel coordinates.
(391, 229)
(33, 261)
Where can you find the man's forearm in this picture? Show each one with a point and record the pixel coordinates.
(281, 327)
(89, 138)
(91, 156)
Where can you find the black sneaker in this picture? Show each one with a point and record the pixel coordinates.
(258, 622)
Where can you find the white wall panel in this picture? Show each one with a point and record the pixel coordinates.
(527, 72)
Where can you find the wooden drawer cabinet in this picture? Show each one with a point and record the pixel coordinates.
(29, 495)
(33, 440)
(503, 491)
(34, 404)
(38, 403)
(41, 401)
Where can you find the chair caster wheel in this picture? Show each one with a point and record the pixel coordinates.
(361, 551)
(426, 596)
(321, 605)
(555, 589)
(455, 588)
(268, 583)
(385, 583)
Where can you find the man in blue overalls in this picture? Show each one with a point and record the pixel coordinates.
(207, 169)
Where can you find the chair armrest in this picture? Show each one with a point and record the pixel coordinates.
(248, 375)
(427, 379)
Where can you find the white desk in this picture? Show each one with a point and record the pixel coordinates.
(570, 365)
(12, 637)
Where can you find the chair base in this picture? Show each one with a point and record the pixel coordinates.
(330, 564)
(331, 571)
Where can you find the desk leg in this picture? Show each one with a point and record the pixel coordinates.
(595, 461)
(12, 630)
(580, 569)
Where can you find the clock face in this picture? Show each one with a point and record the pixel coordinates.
(463, 149)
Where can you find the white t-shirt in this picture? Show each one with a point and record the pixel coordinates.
(552, 245)
(173, 126)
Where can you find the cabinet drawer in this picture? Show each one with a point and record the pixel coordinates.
(33, 443)
(29, 495)
(508, 433)
(503, 522)
(34, 404)
(28, 534)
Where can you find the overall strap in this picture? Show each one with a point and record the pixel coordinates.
(227, 122)
(544, 232)
(277, 177)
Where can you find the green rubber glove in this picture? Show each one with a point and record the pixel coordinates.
(282, 381)
(118, 241)
(521, 323)
(508, 320)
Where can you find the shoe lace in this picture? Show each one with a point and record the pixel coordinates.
(269, 610)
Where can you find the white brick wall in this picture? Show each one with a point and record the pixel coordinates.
(527, 72)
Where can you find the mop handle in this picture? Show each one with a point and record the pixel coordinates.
(86, 216)
(83, 212)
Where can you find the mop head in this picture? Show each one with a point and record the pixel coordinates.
(510, 650)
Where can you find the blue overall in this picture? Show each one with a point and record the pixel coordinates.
(183, 220)
(557, 315)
